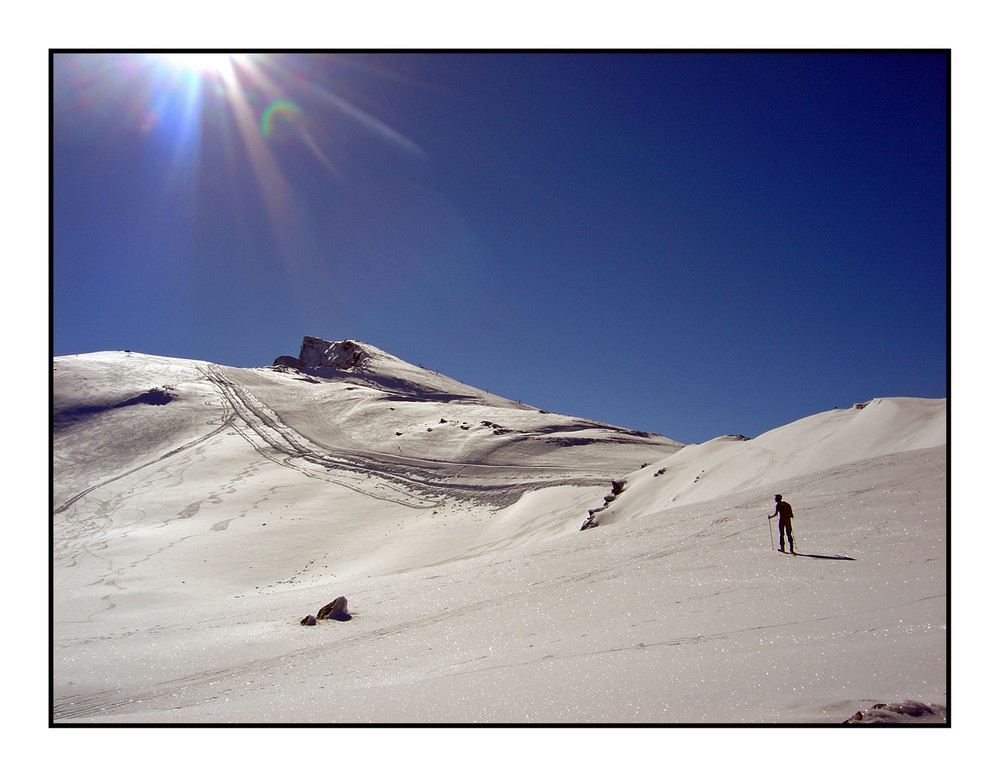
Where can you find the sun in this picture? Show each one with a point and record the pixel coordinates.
(199, 62)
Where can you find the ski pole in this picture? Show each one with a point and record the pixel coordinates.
(771, 531)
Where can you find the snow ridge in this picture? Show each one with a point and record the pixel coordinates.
(733, 464)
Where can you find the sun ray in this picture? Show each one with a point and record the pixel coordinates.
(270, 126)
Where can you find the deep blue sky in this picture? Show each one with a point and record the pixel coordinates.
(693, 244)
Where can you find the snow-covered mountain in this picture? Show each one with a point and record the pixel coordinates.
(200, 511)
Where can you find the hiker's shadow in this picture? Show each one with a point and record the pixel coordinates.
(829, 558)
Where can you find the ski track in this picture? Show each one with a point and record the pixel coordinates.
(226, 422)
(408, 481)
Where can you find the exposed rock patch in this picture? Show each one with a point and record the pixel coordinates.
(617, 487)
(906, 713)
(155, 396)
(344, 355)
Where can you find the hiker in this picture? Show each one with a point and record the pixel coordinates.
(784, 510)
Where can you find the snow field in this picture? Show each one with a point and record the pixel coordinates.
(181, 575)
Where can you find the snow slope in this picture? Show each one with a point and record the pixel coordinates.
(879, 428)
(200, 511)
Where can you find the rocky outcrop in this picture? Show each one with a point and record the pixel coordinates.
(617, 487)
(318, 356)
(344, 355)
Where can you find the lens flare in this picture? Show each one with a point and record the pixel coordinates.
(277, 114)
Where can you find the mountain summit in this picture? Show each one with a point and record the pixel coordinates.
(340, 355)
(361, 363)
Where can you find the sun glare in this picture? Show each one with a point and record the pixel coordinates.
(201, 62)
(264, 110)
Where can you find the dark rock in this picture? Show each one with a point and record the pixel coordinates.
(905, 712)
(617, 487)
(156, 396)
(288, 361)
(335, 610)
(309, 620)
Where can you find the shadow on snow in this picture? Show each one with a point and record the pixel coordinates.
(817, 555)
